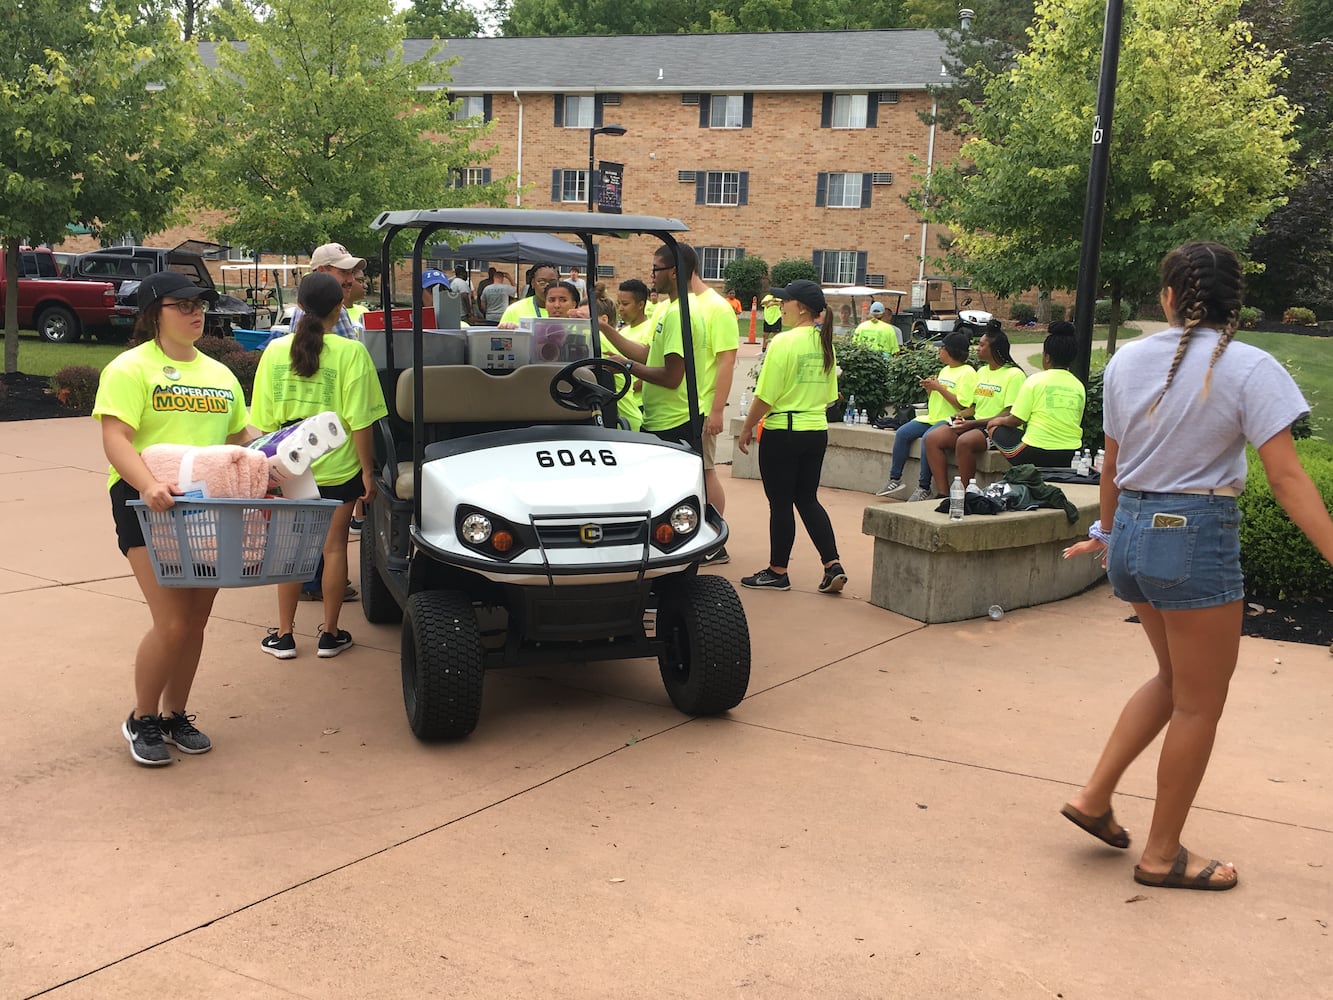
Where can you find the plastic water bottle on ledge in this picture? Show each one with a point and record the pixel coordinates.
(1084, 463)
(1099, 461)
(745, 405)
(956, 499)
(972, 486)
(849, 413)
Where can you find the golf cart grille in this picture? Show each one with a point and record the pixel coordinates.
(569, 535)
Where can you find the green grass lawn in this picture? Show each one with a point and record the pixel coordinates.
(37, 357)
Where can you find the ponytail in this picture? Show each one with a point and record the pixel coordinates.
(307, 343)
(826, 339)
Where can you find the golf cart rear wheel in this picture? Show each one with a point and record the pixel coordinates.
(706, 663)
(443, 665)
(377, 602)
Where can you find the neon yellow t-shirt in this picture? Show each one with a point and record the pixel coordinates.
(996, 390)
(345, 383)
(877, 335)
(1051, 404)
(665, 408)
(793, 381)
(197, 402)
(719, 319)
(631, 404)
(522, 308)
(961, 380)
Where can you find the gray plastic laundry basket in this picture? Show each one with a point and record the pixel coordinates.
(235, 543)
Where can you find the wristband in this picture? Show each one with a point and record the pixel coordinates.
(1095, 532)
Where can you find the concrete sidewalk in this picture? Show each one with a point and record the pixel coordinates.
(877, 819)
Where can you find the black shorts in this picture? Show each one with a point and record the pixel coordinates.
(129, 533)
(346, 492)
(680, 434)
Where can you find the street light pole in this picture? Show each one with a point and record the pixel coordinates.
(592, 135)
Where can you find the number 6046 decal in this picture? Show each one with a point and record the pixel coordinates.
(566, 457)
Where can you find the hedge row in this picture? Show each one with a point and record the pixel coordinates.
(1278, 561)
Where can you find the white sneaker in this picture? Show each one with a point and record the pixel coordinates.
(889, 488)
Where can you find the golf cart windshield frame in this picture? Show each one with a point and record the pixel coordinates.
(429, 222)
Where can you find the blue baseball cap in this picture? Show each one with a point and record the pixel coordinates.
(433, 277)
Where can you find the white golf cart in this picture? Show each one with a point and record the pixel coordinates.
(936, 309)
(516, 524)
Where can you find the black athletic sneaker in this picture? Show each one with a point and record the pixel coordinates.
(282, 646)
(178, 729)
(144, 735)
(333, 643)
(717, 557)
(766, 579)
(835, 578)
(354, 527)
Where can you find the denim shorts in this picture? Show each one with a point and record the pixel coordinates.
(1196, 565)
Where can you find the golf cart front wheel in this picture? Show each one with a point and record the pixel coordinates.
(443, 665)
(377, 602)
(705, 664)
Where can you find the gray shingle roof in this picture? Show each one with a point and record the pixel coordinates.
(775, 61)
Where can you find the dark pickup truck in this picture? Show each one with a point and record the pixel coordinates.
(125, 267)
(61, 310)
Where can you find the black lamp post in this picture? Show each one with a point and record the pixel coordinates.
(593, 133)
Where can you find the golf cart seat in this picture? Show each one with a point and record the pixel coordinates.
(461, 400)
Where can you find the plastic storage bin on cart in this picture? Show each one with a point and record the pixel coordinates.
(254, 340)
(235, 543)
(559, 340)
(496, 350)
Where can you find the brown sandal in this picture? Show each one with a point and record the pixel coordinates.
(1098, 826)
(1177, 879)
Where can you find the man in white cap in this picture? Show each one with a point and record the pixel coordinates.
(875, 333)
(351, 274)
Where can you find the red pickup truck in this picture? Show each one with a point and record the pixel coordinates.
(61, 310)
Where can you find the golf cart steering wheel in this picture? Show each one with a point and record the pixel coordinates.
(580, 394)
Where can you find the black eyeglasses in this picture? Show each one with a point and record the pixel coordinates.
(669, 267)
(188, 307)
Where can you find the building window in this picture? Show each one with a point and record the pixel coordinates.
(726, 111)
(849, 110)
(476, 175)
(723, 188)
(569, 185)
(579, 111)
(471, 106)
(714, 260)
(844, 190)
(838, 267)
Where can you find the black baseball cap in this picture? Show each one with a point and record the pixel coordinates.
(158, 286)
(805, 292)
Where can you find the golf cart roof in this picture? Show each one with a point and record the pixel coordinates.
(265, 267)
(528, 220)
(859, 290)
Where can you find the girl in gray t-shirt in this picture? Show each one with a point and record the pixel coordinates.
(1180, 407)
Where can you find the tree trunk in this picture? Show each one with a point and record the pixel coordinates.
(11, 307)
(1043, 306)
(1115, 289)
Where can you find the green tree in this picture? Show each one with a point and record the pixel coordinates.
(973, 57)
(1200, 148)
(94, 108)
(789, 269)
(441, 19)
(747, 275)
(645, 17)
(318, 125)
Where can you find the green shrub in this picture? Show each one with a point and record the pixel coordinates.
(1299, 316)
(789, 269)
(1277, 559)
(1021, 312)
(1057, 312)
(1101, 314)
(906, 370)
(243, 364)
(1250, 316)
(866, 375)
(1094, 436)
(76, 386)
(215, 347)
(746, 275)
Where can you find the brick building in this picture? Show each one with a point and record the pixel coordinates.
(787, 144)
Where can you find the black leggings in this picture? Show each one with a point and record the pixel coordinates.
(790, 463)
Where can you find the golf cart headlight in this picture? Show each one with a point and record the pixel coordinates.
(684, 519)
(476, 528)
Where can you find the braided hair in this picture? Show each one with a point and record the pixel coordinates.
(1209, 289)
(999, 345)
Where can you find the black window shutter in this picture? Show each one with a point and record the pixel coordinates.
(861, 259)
(597, 111)
(559, 110)
(743, 189)
(701, 187)
(740, 252)
(825, 111)
(747, 112)
(818, 261)
(486, 107)
(872, 111)
(555, 184)
(821, 190)
(485, 175)
(705, 110)
(865, 190)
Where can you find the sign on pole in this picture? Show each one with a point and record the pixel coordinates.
(609, 178)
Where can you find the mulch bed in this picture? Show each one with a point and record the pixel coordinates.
(24, 397)
(1310, 622)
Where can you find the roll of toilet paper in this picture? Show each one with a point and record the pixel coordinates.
(288, 460)
(314, 436)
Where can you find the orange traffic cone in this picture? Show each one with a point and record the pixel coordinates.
(754, 311)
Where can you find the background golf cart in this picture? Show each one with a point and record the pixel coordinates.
(269, 289)
(598, 561)
(861, 297)
(936, 309)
